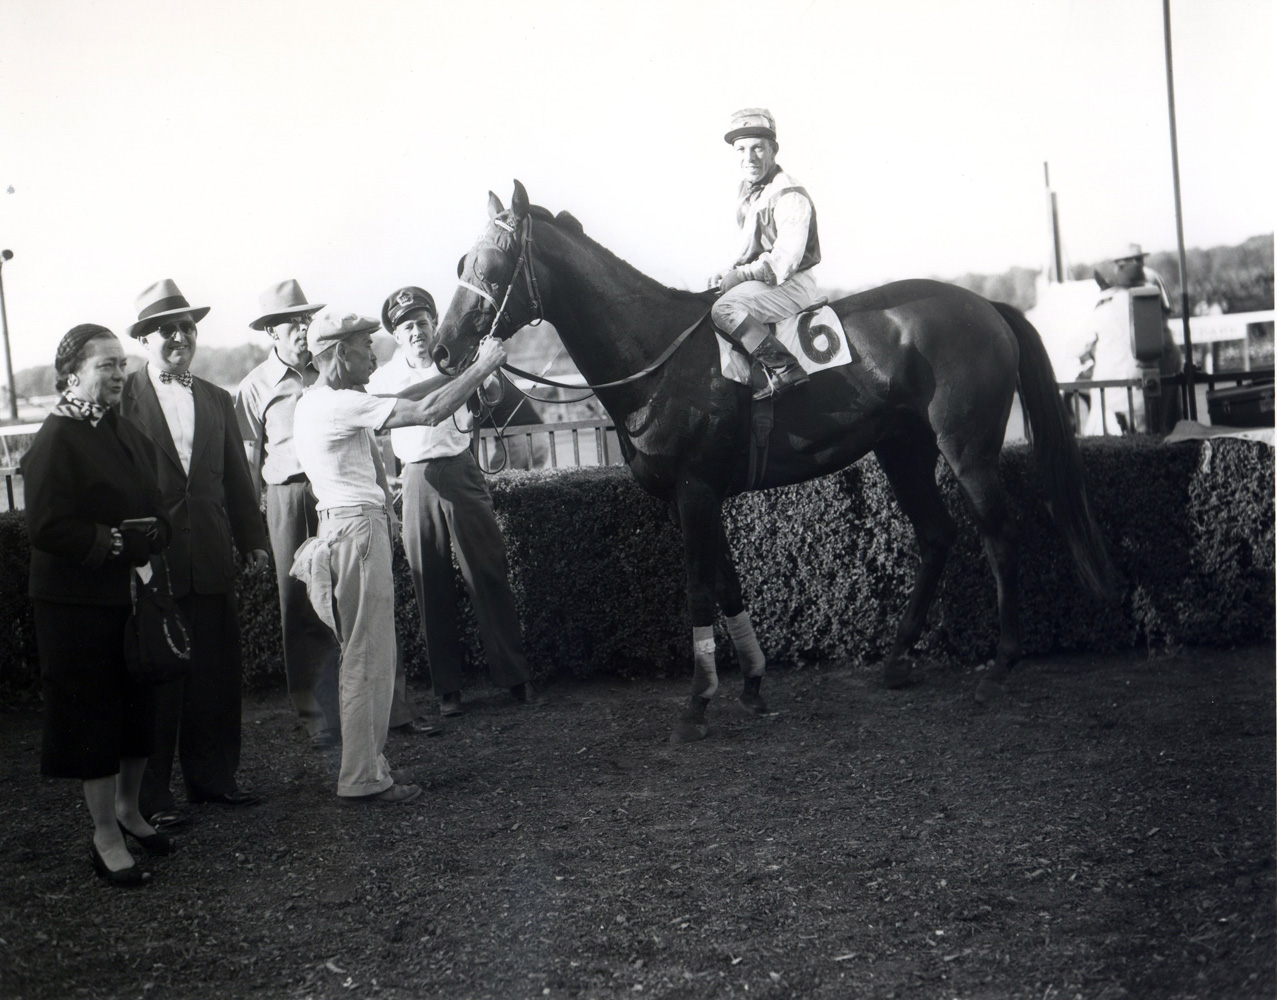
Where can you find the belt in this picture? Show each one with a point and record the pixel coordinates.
(460, 456)
(354, 511)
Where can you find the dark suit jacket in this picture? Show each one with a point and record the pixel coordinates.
(81, 481)
(212, 505)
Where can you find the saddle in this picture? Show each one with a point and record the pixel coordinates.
(816, 338)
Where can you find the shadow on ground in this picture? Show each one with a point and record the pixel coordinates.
(1105, 831)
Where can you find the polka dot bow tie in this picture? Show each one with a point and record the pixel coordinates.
(181, 378)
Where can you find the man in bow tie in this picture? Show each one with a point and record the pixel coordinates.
(213, 507)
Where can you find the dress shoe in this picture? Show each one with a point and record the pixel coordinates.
(450, 704)
(235, 798)
(152, 843)
(526, 694)
(414, 728)
(125, 878)
(396, 794)
(168, 819)
(326, 739)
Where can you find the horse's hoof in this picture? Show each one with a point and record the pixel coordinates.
(897, 673)
(751, 698)
(988, 691)
(689, 732)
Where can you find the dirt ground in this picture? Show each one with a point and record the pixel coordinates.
(1105, 831)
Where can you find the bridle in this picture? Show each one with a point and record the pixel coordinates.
(524, 266)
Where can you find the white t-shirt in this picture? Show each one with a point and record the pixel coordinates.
(416, 444)
(333, 437)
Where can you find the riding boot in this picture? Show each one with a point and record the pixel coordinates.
(780, 369)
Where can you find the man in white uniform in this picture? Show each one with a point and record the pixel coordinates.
(447, 509)
(347, 566)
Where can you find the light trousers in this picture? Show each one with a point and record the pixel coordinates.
(363, 601)
(766, 303)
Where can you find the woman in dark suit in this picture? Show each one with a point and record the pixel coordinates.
(86, 475)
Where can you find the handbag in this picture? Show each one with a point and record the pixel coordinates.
(157, 642)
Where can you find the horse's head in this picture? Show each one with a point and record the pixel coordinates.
(496, 292)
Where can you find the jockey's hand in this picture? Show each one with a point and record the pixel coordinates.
(733, 278)
(491, 354)
(715, 280)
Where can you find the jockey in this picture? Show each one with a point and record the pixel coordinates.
(771, 278)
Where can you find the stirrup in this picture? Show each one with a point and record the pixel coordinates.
(779, 382)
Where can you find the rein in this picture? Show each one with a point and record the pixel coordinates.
(665, 356)
(524, 265)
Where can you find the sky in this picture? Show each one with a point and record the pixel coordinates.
(351, 145)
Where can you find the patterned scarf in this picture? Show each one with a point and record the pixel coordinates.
(79, 409)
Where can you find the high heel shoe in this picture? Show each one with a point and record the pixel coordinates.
(125, 878)
(152, 843)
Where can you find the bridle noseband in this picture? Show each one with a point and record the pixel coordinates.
(523, 265)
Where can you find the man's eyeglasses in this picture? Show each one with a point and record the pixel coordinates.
(301, 322)
(170, 330)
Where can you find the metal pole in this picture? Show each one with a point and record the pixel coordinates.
(1189, 367)
(1053, 214)
(4, 329)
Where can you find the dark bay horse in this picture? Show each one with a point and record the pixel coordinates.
(936, 370)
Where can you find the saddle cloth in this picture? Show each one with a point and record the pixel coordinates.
(815, 337)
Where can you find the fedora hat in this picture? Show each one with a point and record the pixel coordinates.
(283, 301)
(751, 122)
(1129, 252)
(159, 302)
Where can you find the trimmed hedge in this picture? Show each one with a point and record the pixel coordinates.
(597, 567)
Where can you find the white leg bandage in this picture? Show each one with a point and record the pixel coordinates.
(750, 654)
(705, 671)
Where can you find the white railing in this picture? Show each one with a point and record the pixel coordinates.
(593, 443)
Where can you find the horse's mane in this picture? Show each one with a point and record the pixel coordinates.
(568, 224)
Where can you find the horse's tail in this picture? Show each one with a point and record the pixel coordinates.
(1058, 458)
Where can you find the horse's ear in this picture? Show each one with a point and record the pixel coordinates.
(519, 200)
(461, 264)
(495, 207)
(567, 221)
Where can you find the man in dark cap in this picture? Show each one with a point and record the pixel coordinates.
(771, 277)
(447, 509)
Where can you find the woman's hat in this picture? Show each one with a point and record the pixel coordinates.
(283, 301)
(751, 122)
(159, 302)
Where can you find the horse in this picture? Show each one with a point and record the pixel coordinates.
(937, 369)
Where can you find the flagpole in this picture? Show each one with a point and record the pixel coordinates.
(1189, 367)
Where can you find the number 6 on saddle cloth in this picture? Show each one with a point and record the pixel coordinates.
(814, 336)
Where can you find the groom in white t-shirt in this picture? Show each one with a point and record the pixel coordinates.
(334, 430)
